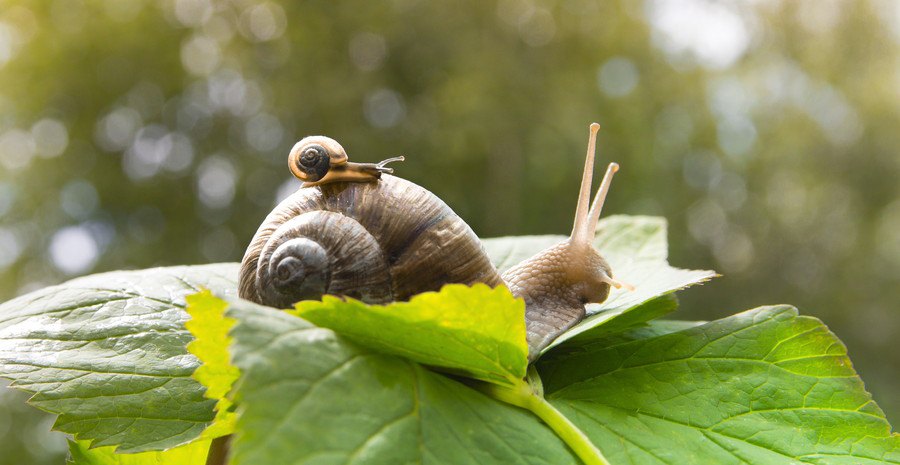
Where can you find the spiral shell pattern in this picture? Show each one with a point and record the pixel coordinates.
(377, 242)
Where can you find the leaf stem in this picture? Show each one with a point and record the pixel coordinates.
(530, 397)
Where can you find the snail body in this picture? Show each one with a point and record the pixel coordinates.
(355, 230)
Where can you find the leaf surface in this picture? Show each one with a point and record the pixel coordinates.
(309, 396)
(210, 327)
(474, 331)
(765, 387)
(193, 453)
(107, 353)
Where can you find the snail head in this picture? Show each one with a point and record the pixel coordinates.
(317, 160)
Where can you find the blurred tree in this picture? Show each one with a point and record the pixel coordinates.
(25, 435)
(137, 133)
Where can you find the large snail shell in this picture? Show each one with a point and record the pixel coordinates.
(375, 241)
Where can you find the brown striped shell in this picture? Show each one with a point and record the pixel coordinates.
(362, 240)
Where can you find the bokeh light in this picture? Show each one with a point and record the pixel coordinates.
(137, 133)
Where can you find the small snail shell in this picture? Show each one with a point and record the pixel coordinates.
(356, 231)
(318, 160)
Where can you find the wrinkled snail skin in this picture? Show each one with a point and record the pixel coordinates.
(556, 289)
(355, 231)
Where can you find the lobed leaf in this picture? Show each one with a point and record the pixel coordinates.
(210, 327)
(765, 387)
(474, 331)
(641, 238)
(107, 353)
(307, 395)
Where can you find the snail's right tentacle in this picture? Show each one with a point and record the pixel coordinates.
(382, 165)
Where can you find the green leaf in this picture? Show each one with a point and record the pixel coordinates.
(307, 395)
(507, 252)
(529, 394)
(107, 353)
(636, 249)
(631, 237)
(604, 338)
(210, 327)
(635, 237)
(474, 331)
(189, 454)
(606, 323)
(646, 330)
(765, 387)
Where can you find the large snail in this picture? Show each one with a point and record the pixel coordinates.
(355, 230)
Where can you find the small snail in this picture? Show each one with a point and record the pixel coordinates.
(355, 230)
(317, 160)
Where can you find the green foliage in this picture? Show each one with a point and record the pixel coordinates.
(763, 386)
(340, 381)
(107, 353)
(477, 332)
(210, 327)
(80, 453)
(309, 396)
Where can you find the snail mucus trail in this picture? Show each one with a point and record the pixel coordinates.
(354, 230)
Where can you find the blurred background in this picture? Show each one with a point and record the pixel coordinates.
(136, 133)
